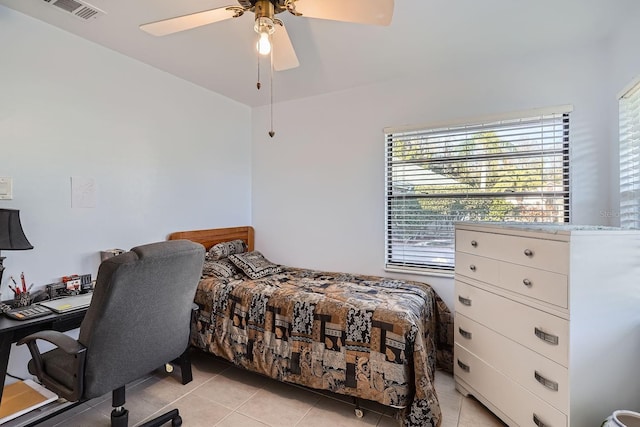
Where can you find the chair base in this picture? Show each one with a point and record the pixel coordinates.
(185, 367)
(184, 362)
(120, 418)
(173, 416)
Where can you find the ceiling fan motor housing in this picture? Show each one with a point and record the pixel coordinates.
(253, 5)
(263, 10)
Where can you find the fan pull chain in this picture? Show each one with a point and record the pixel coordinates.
(271, 132)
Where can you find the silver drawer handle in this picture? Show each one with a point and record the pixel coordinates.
(528, 252)
(551, 385)
(464, 367)
(527, 282)
(474, 243)
(464, 333)
(464, 301)
(551, 339)
(537, 421)
(472, 267)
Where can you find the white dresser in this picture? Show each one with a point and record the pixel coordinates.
(547, 323)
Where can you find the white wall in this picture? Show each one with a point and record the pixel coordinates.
(165, 155)
(318, 186)
(625, 69)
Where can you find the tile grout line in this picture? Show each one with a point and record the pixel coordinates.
(306, 413)
(235, 410)
(460, 413)
(171, 403)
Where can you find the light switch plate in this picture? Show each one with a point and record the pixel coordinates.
(6, 188)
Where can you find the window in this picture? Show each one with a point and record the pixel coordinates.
(511, 168)
(630, 158)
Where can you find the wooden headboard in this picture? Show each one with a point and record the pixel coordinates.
(213, 236)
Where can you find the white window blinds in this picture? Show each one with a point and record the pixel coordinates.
(630, 158)
(513, 168)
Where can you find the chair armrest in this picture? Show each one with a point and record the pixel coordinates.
(67, 345)
(62, 341)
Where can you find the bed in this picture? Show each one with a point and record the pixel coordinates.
(368, 337)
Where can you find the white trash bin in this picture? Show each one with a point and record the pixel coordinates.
(623, 419)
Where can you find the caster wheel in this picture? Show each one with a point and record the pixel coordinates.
(177, 421)
(168, 367)
(359, 413)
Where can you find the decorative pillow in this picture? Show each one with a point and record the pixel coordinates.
(220, 268)
(224, 249)
(254, 264)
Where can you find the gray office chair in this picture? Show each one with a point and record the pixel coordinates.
(138, 320)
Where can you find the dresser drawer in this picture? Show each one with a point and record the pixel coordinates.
(548, 255)
(535, 329)
(542, 285)
(544, 378)
(515, 401)
(478, 243)
(477, 267)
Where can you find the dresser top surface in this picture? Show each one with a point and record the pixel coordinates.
(553, 228)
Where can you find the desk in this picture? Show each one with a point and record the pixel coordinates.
(13, 330)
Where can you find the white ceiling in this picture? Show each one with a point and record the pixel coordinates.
(335, 55)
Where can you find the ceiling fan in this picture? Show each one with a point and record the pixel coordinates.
(271, 29)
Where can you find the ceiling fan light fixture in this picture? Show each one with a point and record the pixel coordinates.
(264, 25)
(264, 44)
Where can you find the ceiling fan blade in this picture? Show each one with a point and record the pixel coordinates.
(373, 12)
(193, 20)
(284, 57)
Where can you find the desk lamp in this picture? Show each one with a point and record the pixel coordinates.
(12, 237)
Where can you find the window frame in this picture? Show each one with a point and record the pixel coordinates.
(629, 155)
(445, 268)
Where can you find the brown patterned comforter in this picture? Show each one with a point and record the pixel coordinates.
(370, 337)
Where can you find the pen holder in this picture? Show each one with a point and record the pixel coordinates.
(22, 300)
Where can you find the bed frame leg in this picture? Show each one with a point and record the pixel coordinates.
(357, 411)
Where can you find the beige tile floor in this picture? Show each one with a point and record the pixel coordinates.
(224, 396)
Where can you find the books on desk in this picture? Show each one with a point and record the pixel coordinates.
(21, 397)
(63, 305)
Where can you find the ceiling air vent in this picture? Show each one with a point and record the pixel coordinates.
(77, 8)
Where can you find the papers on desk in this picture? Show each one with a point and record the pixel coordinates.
(62, 305)
(21, 397)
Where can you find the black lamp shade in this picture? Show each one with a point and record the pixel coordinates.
(11, 235)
